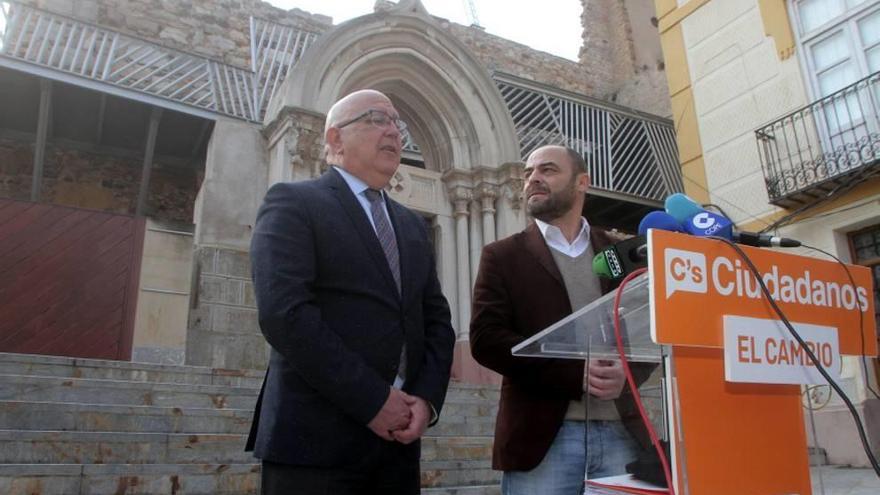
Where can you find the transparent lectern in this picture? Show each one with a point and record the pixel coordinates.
(734, 427)
(589, 334)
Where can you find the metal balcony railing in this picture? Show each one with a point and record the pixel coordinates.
(626, 151)
(54, 46)
(809, 152)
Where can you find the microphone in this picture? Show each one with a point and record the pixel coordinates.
(763, 240)
(659, 220)
(621, 258)
(680, 206)
(706, 223)
(701, 223)
(697, 221)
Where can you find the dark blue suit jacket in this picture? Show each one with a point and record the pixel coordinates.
(329, 308)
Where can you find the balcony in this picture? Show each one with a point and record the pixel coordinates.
(824, 147)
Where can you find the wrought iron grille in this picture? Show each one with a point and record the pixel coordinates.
(625, 152)
(275, 48)
(73, 47)
(824, 141)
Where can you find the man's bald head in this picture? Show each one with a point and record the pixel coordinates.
(349, 106)
(363, 136)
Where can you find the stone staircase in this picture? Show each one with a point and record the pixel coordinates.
(79, 426)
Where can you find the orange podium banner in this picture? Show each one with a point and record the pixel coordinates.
(747, 438)
(694, 282)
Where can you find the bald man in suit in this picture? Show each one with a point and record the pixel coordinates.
(349, 300)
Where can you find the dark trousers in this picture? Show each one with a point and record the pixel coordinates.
(392, 469)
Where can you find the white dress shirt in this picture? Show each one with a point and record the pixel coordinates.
(555, 239)
(358, 187)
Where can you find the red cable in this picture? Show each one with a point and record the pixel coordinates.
(655, 441)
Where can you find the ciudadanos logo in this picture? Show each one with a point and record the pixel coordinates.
(687, 271)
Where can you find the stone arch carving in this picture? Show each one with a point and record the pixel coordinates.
(455, 112)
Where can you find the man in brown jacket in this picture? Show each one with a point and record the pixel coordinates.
(525, 283)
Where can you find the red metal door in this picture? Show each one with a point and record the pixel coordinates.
(68, 280)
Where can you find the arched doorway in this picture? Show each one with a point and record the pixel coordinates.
(469, 187)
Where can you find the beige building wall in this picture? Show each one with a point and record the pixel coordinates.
(738, 83)
(731, 68)
(164, 295)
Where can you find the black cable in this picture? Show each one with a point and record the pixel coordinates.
(720, 210)
(821, 369)
(861, 317)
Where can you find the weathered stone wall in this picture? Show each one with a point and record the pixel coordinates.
(97, 180)
(499, 54)
(223, 330)
(620, 59)
(219, 29)
(621, 54)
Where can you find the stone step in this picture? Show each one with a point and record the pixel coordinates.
(493, 489)
(77, 447)
(459, 473)
(94, 391)
(163, 479)
(27, 415)
(456, 420)
(86, 447)
(130, 479)
(472, 448)
(461, 415)
(102, 369)
(99, 369)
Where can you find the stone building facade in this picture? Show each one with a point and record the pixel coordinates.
(210, 170)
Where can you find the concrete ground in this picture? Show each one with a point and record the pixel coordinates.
(840, 480)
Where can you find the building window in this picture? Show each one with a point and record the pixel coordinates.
(865, 250)
(840, 43)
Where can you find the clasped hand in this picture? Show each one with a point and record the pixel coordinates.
(403, 418)
(604, 378)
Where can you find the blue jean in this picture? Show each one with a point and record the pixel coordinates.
(562, 471)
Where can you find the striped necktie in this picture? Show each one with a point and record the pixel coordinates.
(385, 233)
(389, 245)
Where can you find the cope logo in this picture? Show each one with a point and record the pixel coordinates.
(703, 221)
(685, 271)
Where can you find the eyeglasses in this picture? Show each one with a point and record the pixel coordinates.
(378, 118)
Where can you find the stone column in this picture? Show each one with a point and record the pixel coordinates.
(488, 193)
(461, 198)
(243, 160)
(222, 331)
(476, 239)
(447, 263)
(510, 214)
(295, 144)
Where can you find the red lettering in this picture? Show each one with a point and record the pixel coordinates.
(741, 348)
(783, 354)
(827, 357)
(769, 355)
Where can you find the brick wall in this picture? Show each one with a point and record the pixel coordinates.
(97, 179)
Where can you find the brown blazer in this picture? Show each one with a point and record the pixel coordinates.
(519, 291)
